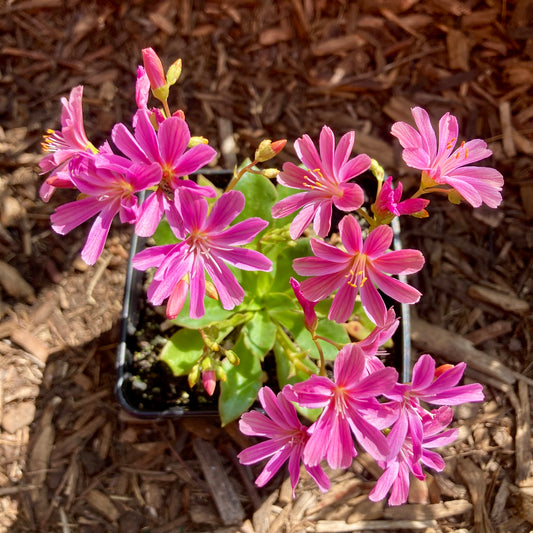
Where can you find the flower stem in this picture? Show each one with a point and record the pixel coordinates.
(167, 109)
(239, 175)
(321, 353)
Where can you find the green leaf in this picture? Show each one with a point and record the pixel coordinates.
(182, 351)
(213, 313)
(286, 376)
(259, 334)
(292, 319)
(283, 192)
(242, 384)
(164, 235)
(328, 329)
(283, 270)
(276, 302)
(260, 196)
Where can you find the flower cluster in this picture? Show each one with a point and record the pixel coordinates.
(358, 404)
(217, 242)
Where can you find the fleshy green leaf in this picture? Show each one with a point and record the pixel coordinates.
(163, 234)
(213, 313)
(283, 192)
(259, 334)
(283, 270)
(182, 351)
(242, 384)
(260, 196)
(287, 375)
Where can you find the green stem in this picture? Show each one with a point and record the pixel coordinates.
(321, 353)
(238, 176)
(167, 109)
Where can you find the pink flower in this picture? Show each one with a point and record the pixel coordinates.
(443, 165)
(287, 437)
(398, 465)
(433, 386)
(107, 193)
(168, 148)
(356, 270)
(389, 203)
(377, 337)
(62, 145)
(325, 182)
(347, 401)
(209, 245)
(310, 318)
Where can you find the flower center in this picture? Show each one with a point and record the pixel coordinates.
(315, 180)
(166, 182)
(356, 277)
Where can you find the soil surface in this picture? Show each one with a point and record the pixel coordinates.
(71, 459)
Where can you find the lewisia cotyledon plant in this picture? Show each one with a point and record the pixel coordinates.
(220, 248)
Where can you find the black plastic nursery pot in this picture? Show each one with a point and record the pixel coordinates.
(147, 389)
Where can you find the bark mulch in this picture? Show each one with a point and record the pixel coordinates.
(70, 459)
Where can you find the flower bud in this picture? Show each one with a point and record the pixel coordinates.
(270, 173)
(156, 74)
(194, 374)
(209, 381)
(210, 290)
(268, 149)
(174, 72)
(220, 373)
(308, 307)
(194, 141)
(232, 357)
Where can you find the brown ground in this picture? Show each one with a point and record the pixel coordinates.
(70, 459)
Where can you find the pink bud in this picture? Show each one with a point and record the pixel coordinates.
(210, 381)
(310, 318)
(153, 68)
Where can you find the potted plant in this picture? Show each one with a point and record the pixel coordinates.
(273, 298)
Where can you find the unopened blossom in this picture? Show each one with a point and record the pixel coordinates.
(209, 381)
(444, 164)
(402, 461)
(308, 307)
(208, 245)
(356, 270)
(389, 203)
(348, 401)
(168, 148)
(156, 74)
(286, 435)
(106, 193)
(63, 144)
(325, 181)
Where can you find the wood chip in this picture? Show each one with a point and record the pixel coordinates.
(14, 284)
(476, 482)
(16, 415)
(499, 299)
(458, 50)
(455, 349)
(333, 526)
(338, 45)
(492, 331)
(507, 129)
(226, 500)
(428, 511)
(103, 504)
(32, 344)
